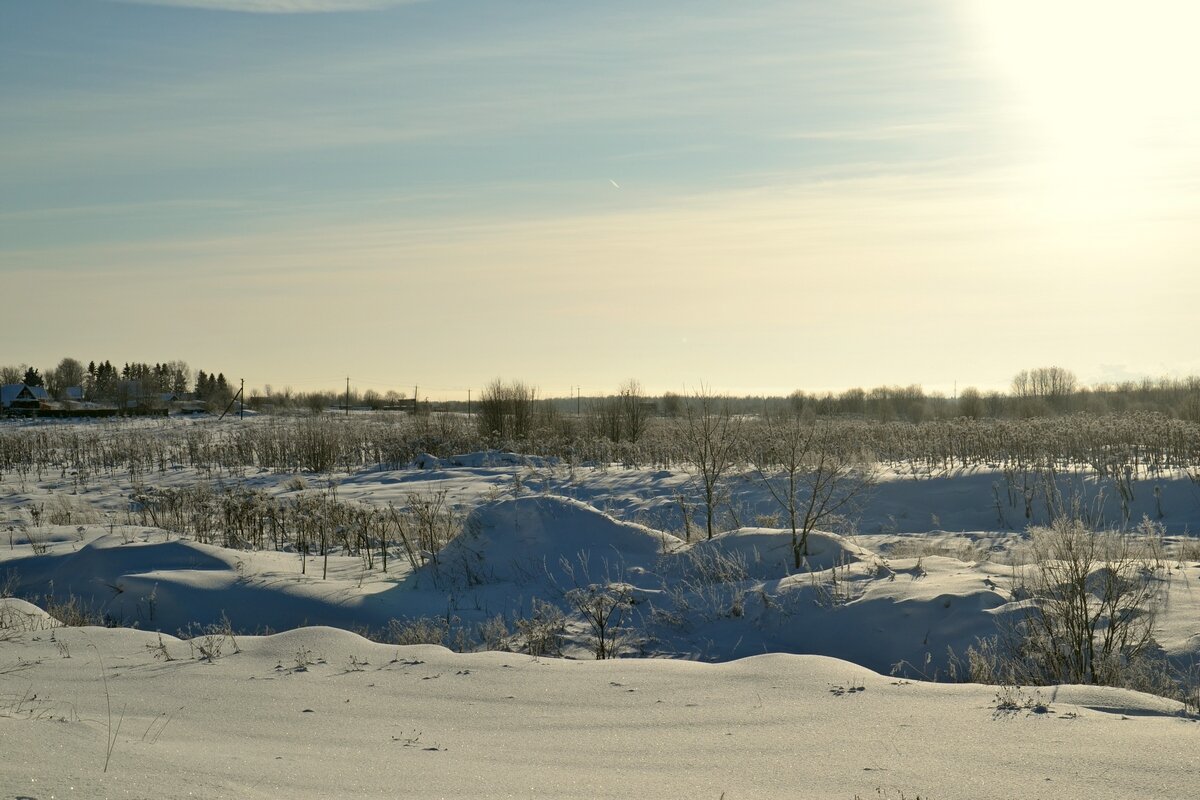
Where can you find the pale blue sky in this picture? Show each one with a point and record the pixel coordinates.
(759, 196)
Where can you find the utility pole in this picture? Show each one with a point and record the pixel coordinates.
(347, 396)
(468, 403)
(578, 389)
(415, 387)
(242, 395)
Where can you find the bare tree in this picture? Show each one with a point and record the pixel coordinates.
(671, 405)
(604, 418)
(506, 410)
(710, 439)
(634, 415)
(809, 477)
(68, 373)
(620, 417)
(373, 399)
(1054, 385)
(316, 402)
(970, 403)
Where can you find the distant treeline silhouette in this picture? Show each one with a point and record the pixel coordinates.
(1041, 392)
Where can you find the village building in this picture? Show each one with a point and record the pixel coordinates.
(20, 397)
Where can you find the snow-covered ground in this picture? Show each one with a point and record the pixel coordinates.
(818, 691)
(319, 713)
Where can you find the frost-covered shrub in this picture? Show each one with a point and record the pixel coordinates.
(1088, 616)
(541, 634)
(421, 630)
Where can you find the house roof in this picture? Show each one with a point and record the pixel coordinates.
(10, 392)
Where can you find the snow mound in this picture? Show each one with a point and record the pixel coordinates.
(170, 585)
(1124, 702)
(493, 458)
(18, 615)
(321, 641)
(99, 566)
(548, 539)
(427, 461)
(767, 552)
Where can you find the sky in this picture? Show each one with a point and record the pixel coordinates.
(753, 198)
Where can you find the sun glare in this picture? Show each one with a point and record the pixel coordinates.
(1105, 90)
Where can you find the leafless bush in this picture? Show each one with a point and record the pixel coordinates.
(427, 524)
(493, 633)
(603, 608)
(71, 612)
(159, 650)
(833, 588)
(421, 630)
(1088, 617)
(8, 586)
(506, 410)
(208, 642)
(13, 623)
(541, 634)
(68, 509)
(705, 565)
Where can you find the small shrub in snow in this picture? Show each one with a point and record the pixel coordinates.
(833, 587)
(304, 658)
(1013, 698)
(8, 586)
(542, 633)
(603, 607)
(422, 630)
(159, 650)
(208, 643)
(209, 647)
(494, 633)
(71, 612)
(1189, 681)
(63, 648)
(705, 565)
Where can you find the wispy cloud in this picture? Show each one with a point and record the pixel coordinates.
(278, 6)
(884, 133)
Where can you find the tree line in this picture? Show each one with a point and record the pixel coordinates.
(510, 407)
(104, 382)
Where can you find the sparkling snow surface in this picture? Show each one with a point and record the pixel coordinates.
(817, 693)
